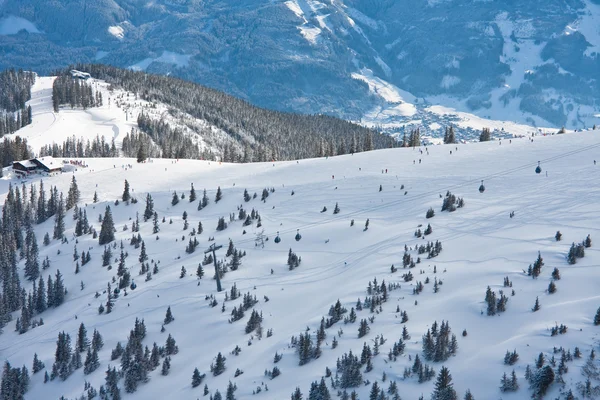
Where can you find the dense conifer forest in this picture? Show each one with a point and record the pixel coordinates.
(15, 90)
(74, 92)
(255, 134)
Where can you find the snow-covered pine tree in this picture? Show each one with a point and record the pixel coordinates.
(107, 230)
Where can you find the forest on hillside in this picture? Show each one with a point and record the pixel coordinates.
(254, 134)
(15, 91)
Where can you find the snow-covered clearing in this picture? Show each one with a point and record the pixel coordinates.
(49, 127)
(117, 31)
(11, 25)
(113, 120)
(481, 246)
(167, 57)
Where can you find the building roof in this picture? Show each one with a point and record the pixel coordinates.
(26, 163)
(49, 162)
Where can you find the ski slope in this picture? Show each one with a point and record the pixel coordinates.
(50, 127)
(481, 245)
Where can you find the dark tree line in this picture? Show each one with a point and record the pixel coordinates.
(173, 142)
(15, 91)
(81, 148)
(22, 209)
(139, 144)
(254, 134)
(13, 150)
(74, 92)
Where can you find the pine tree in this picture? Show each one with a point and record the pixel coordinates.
(468, 395)
(73, 194)
(59, 221)
(38, 365)
(59, 289)
(336, 210)
(536, 306)
(297, 394)
(149, 210)
(219, 195)
(443, 389)
(597, 317)
(219, 366)
(91, 362)
(486, 135)
(197, 378)
(141, 154)
(155, 227)
(32, 268)
(169, 316)
(82, 340)
(175, 199)
(166, 366)
(230, 394)
(204, 201)
(192, 196)
(107, 230)
(97, 341)
(126, 195)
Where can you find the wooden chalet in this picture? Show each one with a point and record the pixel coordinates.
(36, 165)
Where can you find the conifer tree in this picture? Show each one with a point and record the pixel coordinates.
(536, 306)
(204, 201)
(91, 361)
(73, 194)
(149, 210)
(32, 267)
(175, 199)
(597, 317)
(107, 230)
(166, 366)
(82, 340)
(197, 378)
(126, 195)
(59, 221)
(219, 366)
(192, 196)
(142, 154)
(38, 365)
(169, 316)
(443, 389)
(219, 195)
(143, 256)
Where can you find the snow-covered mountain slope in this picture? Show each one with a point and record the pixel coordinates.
(534, 63)
(392, 190)
(113, 120)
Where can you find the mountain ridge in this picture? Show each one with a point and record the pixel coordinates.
(299, 55)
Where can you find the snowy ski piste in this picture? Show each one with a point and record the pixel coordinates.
(392, 189)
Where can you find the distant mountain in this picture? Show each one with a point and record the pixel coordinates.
(533, 62)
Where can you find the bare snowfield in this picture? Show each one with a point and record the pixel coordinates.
(481, 245)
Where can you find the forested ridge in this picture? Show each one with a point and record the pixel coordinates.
(255, 134)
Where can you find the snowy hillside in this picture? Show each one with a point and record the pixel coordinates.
(392, 190)
(113, 120)
(535, 63)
